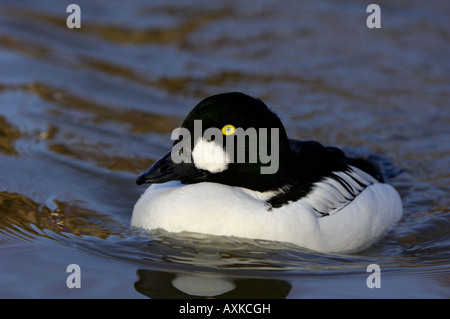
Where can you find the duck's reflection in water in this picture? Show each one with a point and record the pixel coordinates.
(166, 285)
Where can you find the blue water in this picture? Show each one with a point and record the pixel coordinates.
(83, 111)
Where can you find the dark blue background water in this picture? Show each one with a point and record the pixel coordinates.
(83, 111)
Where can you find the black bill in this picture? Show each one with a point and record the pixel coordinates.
(165, 170)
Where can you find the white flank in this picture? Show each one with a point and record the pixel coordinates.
(216, 209)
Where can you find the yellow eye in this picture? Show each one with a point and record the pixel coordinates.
(228, 129)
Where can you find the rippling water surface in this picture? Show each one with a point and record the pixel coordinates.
(83, 111)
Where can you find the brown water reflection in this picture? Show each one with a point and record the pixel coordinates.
(8, 134)
(27, 219)
(140, 122)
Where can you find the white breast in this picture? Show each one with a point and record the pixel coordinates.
(217, 209)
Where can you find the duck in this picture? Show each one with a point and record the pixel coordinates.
(233, 171)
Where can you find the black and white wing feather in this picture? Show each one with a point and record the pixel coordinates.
(336, 191)
(325, 178)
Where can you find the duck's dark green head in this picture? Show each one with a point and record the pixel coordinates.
(230, 138)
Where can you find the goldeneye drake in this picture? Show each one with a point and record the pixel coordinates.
(305, 193)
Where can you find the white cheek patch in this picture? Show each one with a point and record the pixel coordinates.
(210, 156)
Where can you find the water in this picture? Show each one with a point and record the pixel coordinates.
(82, 112)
